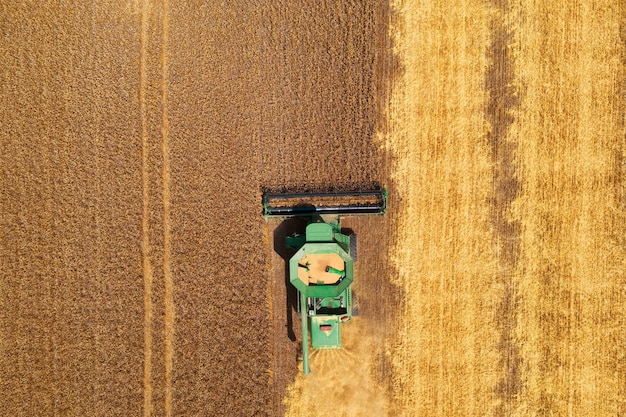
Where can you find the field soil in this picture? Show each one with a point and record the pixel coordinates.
(139, 277)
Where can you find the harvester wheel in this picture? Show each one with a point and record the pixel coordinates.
(353, 252)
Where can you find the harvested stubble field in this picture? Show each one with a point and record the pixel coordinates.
(137, 276)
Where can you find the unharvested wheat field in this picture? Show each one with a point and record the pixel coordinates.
(138, 277)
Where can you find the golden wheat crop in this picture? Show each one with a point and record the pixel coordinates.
(571, 273)
(511, 246)
(445, 355)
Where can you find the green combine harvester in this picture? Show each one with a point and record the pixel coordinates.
(322, 269)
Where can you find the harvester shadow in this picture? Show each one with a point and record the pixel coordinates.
(291, 226)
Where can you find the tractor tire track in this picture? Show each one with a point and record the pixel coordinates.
(503, 100)
(167, 232)
(146, 252)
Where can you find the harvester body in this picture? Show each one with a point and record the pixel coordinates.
(322, 268)
(322, 271)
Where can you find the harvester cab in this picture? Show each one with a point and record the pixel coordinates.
(322, 268)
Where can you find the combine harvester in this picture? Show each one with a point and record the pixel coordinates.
(322, 269)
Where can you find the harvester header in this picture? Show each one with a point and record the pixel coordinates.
(335, 203)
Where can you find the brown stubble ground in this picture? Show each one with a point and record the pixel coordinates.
(71, 293)
(290, 102)
(137, 271)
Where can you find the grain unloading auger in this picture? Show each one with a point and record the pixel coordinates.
(322, 269)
